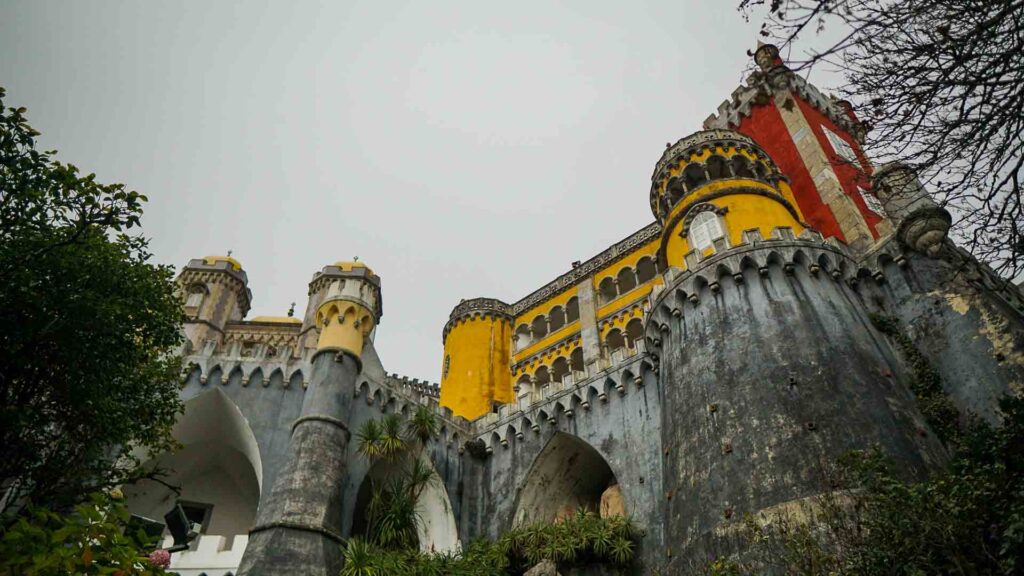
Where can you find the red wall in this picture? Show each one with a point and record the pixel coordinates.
(766, 127)
(850, 176)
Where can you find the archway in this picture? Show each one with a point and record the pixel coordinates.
(568, 474)
(218, 469)
(435, 528)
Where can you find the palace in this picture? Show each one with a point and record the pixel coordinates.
(698, 370)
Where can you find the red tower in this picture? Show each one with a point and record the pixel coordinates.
(816, 141)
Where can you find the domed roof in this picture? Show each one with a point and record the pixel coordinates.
(211, 260)
(349, 265)
(277, 319)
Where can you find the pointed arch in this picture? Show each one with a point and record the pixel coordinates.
(566, 475)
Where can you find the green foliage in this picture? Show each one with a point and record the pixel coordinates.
(391, 518)
(86, 329)
(89, 540)
(581, 539)
(967, 519)
(926, 384)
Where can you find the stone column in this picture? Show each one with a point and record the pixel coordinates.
(588, 322)
(298, 530)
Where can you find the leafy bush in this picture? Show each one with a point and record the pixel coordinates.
(581, 539)
(92, 539)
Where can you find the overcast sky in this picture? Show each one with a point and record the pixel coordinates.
(461, 149)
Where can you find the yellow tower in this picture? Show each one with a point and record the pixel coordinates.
(214, 292)
(477, 351)
(347, 303)
(716, 189)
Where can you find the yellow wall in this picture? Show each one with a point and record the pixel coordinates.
(348, 333)
(477, 353)
(745, 212)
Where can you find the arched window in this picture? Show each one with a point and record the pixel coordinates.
(717, 167)
(572, 310)
(645, 270)
(557, 318)
(195, 296)
(523, 337)
(704, 230)
(576, 360)
(634, 332)
(615, 340)
(694, 176)
(741, 167)
(539, 327)
(627, 280)
(607, 290)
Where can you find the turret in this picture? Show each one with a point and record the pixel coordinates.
(477, 351)
(345, 287)
(298, 528)
(714, 189)
(816, 141)
(922, 224)
(215, 290)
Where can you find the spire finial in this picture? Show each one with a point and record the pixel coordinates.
(291, 311)
(229, 253)
(355, 258)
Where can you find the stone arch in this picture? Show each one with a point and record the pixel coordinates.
(607, 290)
(717, 167)
(627, 279)
(645, 270)
(538, 327)
(694, 176)
(576, 360)
(219, 465)
(634, 332)
(436, 529)
(614, 340)
(295, 379)
(572, 310)
(556, 318)
(566, 475)
(741, 167)
(523, 337)
(559, 368)
(542, 375)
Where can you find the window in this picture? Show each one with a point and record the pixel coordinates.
(195, 296)
(842, 147)
(872, 202)
(704, 230)
(447, 365)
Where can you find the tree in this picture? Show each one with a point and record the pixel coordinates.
(941, 85)
(88, 384)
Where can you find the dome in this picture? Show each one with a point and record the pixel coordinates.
(350, 265)
(277, 320)
(211, 260)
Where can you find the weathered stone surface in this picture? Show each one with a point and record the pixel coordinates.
(612, 503)
(545, 568)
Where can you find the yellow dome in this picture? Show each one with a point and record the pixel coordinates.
(211, 260)
(277, 319)
(347, 266)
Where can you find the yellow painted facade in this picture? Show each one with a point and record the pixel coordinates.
(344, 325)
(475, 368)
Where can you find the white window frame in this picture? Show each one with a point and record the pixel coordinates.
(705, 228)
(842, 148)
(195, 298)
(872, 202)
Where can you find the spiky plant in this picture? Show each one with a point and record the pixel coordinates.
(392, 442)
(422, 426)
(370, 435)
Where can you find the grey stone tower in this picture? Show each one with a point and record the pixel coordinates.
(298, 529)
(768, 364)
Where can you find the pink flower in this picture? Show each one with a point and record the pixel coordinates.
(160, 558)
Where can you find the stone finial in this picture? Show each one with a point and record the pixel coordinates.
(767, 56)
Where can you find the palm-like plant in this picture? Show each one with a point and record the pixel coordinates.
(422, 426)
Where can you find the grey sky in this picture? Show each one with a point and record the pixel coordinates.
(462, 149)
